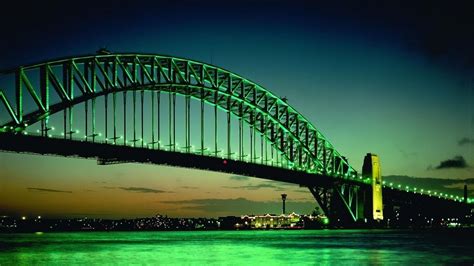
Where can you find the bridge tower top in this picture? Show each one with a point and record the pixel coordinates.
(371, 169)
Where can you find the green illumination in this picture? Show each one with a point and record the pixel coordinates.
(207, 82)
(325, 220)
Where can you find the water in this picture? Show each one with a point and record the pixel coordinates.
(304, 247)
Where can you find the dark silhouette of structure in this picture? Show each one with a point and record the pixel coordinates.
(283, 198)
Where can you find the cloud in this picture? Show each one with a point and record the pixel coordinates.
(241, 206)
(459, 185)
(301, 190)
(465, 141)
(406, 154)
(239, 178)
(142, 190)
(138, 189)
(275, 185)
(48, 190)
(456, 162)
(255, 187)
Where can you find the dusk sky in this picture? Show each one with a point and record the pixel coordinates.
(394, 79)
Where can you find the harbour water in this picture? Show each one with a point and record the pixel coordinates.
(273, 247)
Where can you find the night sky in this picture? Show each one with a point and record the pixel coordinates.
(395, 79)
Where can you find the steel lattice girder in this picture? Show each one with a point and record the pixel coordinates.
(289, 131)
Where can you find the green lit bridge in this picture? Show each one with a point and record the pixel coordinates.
(148, 108)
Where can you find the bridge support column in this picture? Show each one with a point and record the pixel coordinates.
(341, 202)
(371, 170)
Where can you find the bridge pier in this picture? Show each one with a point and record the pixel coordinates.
(342, 203)
(347, 204)
(371, 170)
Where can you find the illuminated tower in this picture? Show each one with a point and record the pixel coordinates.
(371, 169)
(283, 198)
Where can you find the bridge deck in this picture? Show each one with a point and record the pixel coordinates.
(108, 153)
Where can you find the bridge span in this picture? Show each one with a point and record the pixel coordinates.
(117, 108)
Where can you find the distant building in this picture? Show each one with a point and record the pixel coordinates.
(292, 220)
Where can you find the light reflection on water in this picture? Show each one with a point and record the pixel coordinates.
(318, 247)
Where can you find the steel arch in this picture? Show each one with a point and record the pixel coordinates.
(88, 77)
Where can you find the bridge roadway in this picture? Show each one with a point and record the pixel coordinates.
(106, 153)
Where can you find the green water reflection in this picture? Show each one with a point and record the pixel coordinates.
(324, 247)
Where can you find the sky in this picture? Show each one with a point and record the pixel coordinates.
(394, 79)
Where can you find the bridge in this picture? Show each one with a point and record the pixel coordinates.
(158, 109)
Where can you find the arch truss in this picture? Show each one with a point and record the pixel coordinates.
(127, 81)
